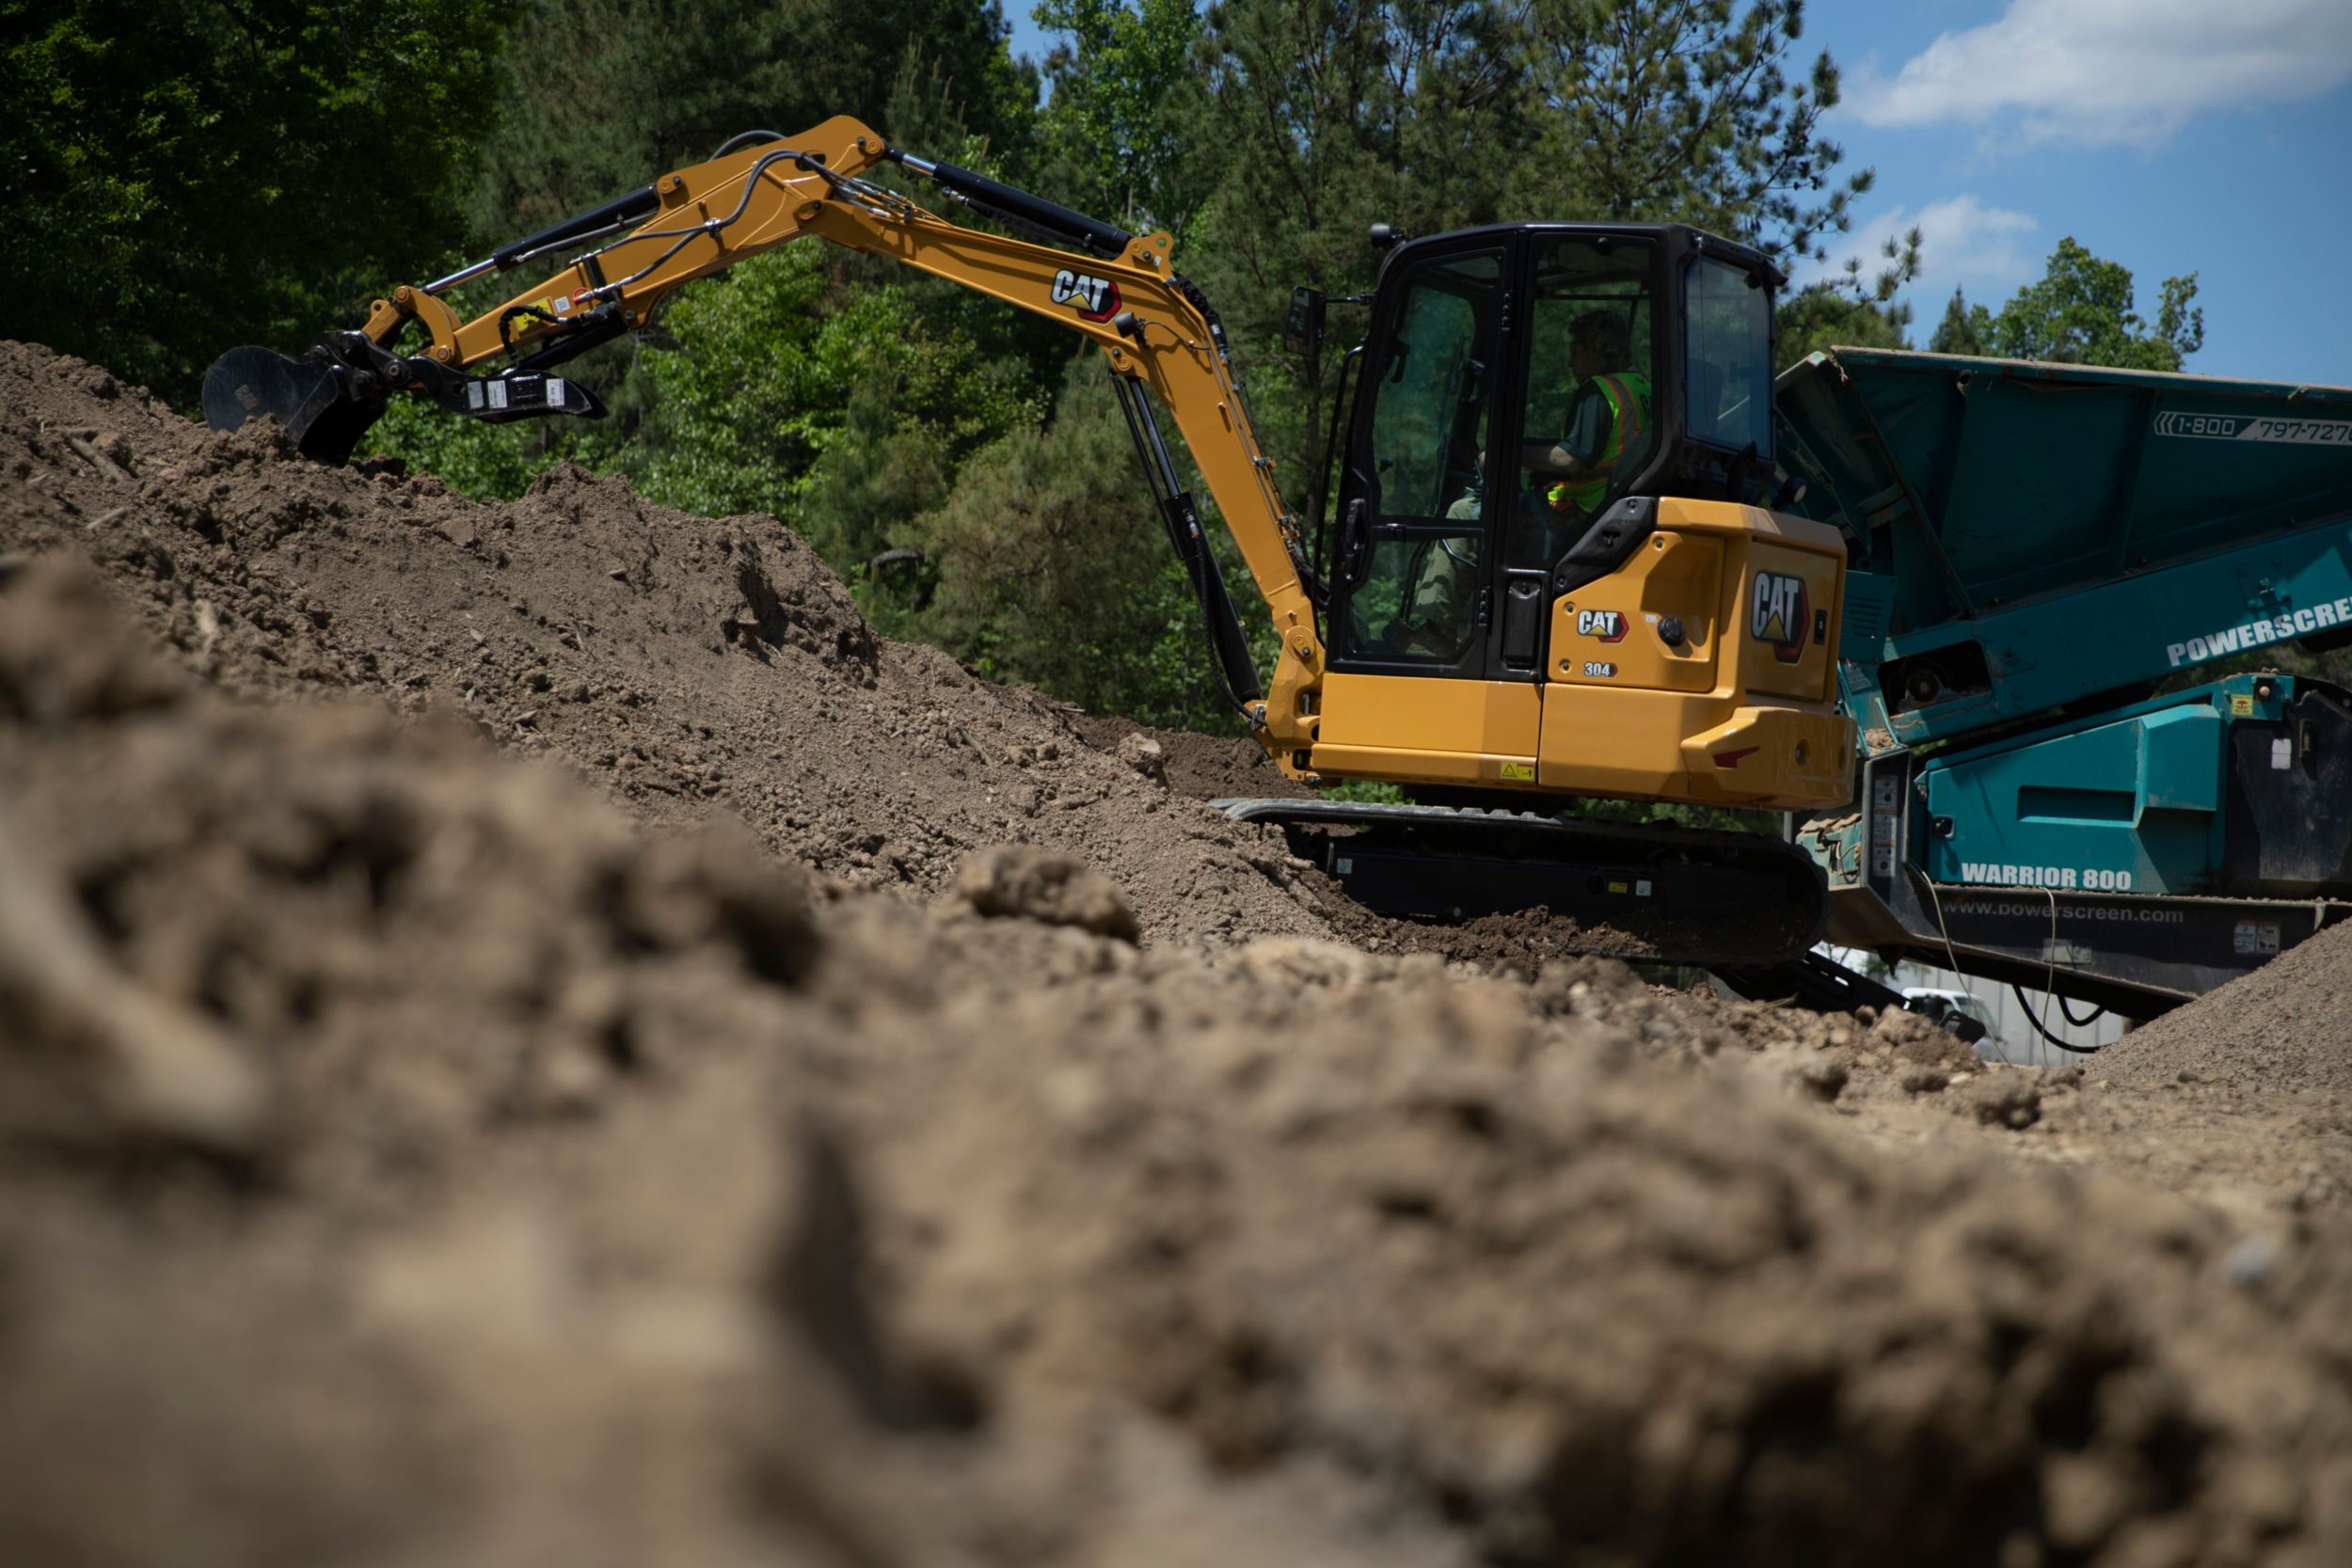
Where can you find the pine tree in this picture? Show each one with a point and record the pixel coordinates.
(1644, 110)
(1962, 329)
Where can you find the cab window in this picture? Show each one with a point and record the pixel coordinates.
(1730, 376)
(1590, 426)
(1416, 594)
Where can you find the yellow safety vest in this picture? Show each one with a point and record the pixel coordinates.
(1629, 396)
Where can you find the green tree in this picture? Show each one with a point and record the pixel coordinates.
(1116, 135)
(1962, 329)
(184, 177)
(1685, 111)
(1052, 568)
(2081, 312)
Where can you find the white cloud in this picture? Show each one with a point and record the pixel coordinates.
(2104, 72)
(1963, 243)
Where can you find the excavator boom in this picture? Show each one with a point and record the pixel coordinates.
(1155, 330)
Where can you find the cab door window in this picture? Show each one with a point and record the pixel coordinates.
(1590, 422)
(1420, 572)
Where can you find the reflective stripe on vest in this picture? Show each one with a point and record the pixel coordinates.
(1628, 392)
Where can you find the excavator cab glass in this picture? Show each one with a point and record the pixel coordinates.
(1517, 381)
(1590, 420)
(1418, 566)
(1730, 369)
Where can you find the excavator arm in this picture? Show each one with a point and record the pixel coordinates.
(1118, 290)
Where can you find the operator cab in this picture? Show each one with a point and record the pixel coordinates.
(1516, 384)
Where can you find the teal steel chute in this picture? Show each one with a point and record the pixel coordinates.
(2026, 536)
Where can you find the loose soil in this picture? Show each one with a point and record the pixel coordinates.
(2287, 1026)
(531, 1035)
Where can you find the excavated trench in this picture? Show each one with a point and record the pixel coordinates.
(529, 1034)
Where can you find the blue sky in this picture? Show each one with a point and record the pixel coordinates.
(2212, 136)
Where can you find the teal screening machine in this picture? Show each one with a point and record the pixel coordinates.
(2074, 598)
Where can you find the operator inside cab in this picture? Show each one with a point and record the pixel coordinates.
(1608, 422)
(1607, 431)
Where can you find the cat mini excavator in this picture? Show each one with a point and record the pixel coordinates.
(1479, 622)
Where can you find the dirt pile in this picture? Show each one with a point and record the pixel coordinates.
(698, 666)
(2286, 1027)
(1199, 767)
(520, 1182)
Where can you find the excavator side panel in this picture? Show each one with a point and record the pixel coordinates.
(1607, 633)
(1419, 730)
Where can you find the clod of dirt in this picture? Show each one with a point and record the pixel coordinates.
(1014, 880)
(1823, 1077)
(61, 659)
(1145, 756)
(124, 1065)
(1924, 1080)
(2005, 1098)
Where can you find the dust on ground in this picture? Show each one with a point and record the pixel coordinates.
(451, 1117)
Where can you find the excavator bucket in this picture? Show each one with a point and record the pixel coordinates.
(310, 396)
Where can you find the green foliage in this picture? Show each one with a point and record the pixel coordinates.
(1052, 568)
(1117, 130)
(598, 97)
(839, 409)
(486, 462)
(184, 177)
(2080, 312)
(1961, 330)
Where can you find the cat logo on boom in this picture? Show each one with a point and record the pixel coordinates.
(1779, 614)
(1606, 625)
(1096, 298)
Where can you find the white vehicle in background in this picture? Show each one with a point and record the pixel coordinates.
(1954, 1010)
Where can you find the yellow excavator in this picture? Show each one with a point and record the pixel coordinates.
(1496, 614)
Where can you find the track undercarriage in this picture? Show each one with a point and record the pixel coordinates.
(1665, 894)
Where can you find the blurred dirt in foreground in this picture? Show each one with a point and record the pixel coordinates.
(724, 1118)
